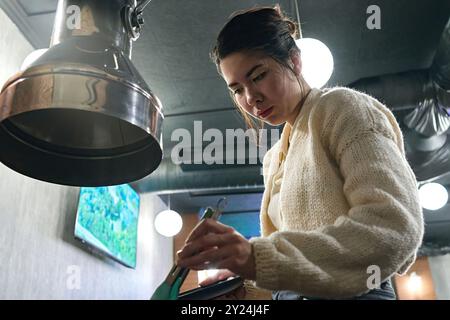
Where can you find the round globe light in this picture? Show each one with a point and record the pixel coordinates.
(168, 223)
(317, 61)
(433, 196)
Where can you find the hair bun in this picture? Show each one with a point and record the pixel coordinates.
(293, 29)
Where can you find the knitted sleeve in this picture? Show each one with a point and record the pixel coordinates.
(381, 231)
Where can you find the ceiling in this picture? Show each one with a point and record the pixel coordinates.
(172, 55)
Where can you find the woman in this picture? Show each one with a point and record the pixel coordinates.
(340, 206)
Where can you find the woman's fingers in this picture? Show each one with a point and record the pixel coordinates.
(215, 245)
(199, 261)
(206, 242)
(208, 226)
(235, 257)
(210, 248)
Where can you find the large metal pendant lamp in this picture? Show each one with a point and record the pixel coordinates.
(81, 114)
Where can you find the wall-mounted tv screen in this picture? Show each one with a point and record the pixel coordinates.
(107, 219)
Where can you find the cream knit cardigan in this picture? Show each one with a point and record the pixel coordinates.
(348, 200)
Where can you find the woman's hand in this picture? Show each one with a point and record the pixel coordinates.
(214, 245)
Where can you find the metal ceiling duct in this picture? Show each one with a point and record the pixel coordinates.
(173, 178)
(425, 96)
(81, 114)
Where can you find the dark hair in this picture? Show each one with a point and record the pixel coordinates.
(263, 29)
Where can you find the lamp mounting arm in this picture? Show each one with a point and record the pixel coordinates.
(133, 19)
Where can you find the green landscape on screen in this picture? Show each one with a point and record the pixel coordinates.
(107, 219)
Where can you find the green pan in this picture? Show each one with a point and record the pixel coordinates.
(170, 288)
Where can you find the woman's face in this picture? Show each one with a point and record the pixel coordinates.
(262, 87)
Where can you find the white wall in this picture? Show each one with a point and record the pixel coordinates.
(39, 257)
(38, 251)
(13, 48)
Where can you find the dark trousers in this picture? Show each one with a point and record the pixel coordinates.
(384, 292)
